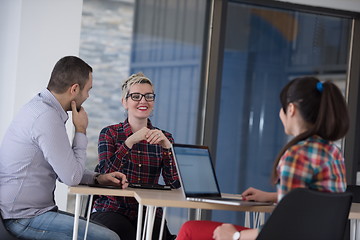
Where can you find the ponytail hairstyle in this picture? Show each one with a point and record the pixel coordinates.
(321, 105)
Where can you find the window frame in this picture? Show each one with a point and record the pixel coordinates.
(208, 122)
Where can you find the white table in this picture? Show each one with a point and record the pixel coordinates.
(174, 198)
(153, 199)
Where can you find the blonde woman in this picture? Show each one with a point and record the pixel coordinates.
(139, 150)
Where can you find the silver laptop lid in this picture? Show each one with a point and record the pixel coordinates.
(196, 171)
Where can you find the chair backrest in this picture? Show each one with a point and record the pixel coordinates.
(355, 190)
(308, 214)
(4, 233)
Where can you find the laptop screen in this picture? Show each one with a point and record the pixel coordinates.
(196, 171)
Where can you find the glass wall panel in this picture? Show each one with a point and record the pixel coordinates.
(265, 47)
(105, 43)
(164, 39)
(168, 47)
(168, 44)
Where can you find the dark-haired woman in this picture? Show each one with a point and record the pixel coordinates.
(316, 114)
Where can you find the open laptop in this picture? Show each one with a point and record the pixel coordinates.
(197, 176)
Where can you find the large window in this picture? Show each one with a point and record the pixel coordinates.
(168, 43)
(265, 47)
(260, 48)
(164, 40)
(105, 43)
(168, 46)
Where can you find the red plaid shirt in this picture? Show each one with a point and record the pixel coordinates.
(143, 163)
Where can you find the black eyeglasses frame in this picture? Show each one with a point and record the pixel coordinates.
(142, 95)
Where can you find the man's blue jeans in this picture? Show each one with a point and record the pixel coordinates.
(56, 226)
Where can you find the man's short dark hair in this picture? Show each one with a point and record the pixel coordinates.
(67, 71)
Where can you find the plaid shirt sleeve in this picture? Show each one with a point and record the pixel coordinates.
(111, 150)
(169, 172)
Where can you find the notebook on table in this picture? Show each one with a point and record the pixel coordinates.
(134, 185)
(198, 178)
(149, 186)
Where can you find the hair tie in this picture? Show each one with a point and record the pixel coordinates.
(319, 87)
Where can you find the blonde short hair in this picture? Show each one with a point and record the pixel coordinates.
(137, 78)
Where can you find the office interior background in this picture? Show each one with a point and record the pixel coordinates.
(218, 68)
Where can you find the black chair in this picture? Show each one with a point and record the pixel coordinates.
(355, 190)
(4, 233)
(305, 214)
